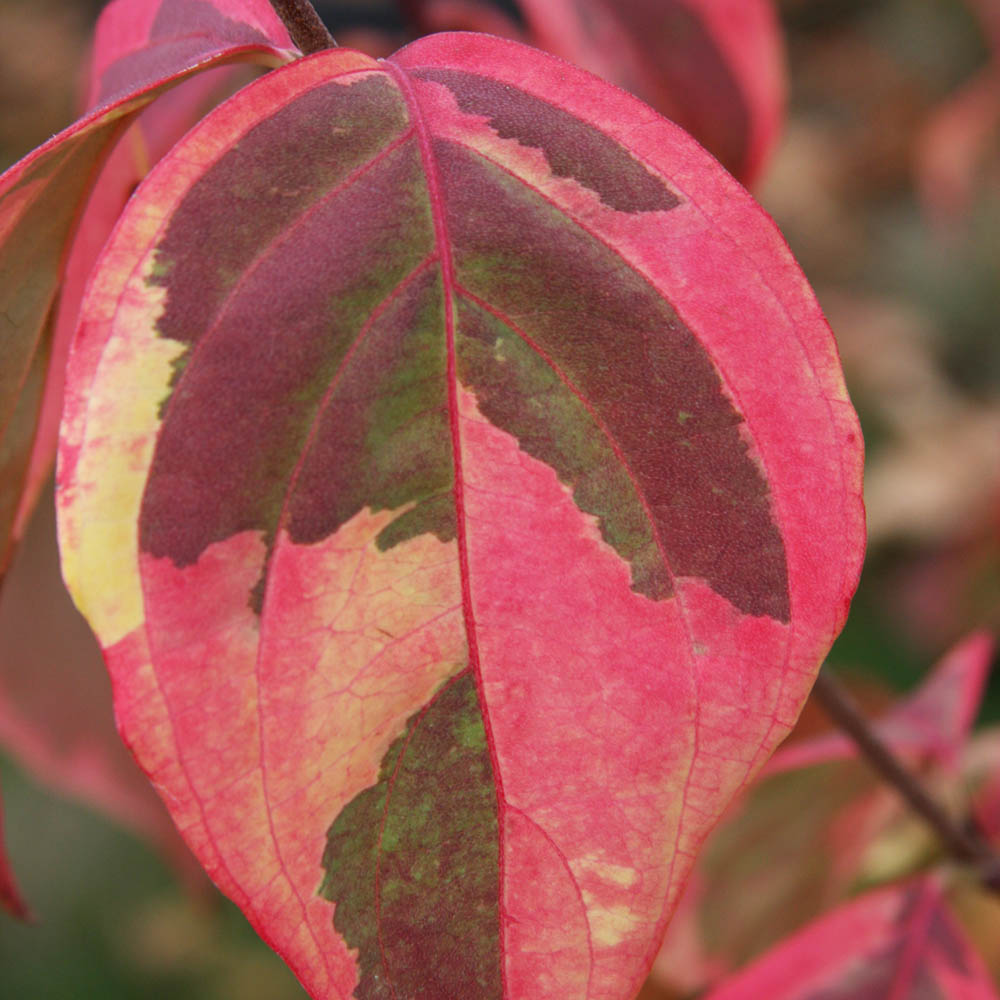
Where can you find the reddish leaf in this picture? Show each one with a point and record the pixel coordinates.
(140, 44)
(450, 451)
(156, 129)
(55, 700)
(897, 944)
(932, 722)
(791, 863)
(142, 48)
(960, 132)
(716, 67)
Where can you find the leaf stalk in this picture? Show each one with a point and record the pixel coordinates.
(304, 25)
(963, 844)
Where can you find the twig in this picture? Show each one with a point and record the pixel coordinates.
(304, 25)
(963, 845)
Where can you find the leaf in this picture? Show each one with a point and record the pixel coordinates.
(901, 942)
(960, 133)
(55, 701)
(932, 722)
(140, 44)
(447, 595)
(154, 131)
(142, 47)
(716, 67)
(793, 864)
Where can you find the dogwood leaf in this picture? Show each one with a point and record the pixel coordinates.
(142, 47)
(458, 473)
(716, 67)
(898, 942)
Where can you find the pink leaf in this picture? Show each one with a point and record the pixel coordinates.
(449, 451)
(141, 50)
(716, 67)
(140, 43)
(934, 721)
(896, 944)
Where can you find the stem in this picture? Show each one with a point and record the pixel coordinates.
(304, 26)
(962, 844)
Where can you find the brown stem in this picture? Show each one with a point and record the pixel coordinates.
(962, 844)
(304, 26)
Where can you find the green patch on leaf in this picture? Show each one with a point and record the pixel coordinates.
(412, 864)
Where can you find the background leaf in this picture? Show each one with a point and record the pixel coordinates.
(141, 49)
(716, 67)
(791, 863)
(900, 942)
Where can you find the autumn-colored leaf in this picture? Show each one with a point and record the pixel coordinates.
(155, 130)
(933, 722)
(716, 67)
(895, 944)
(55, 701)
(793, 863)
(142, 47)
(961, 132)
(790, 862)
(459, 476)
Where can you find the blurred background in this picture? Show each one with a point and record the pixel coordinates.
(886, 183)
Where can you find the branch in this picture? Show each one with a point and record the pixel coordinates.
(307, 31)
(962, 844)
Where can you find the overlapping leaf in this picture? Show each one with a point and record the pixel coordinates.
(716, 67)
(933, 722)
(792, 863)
(458, 473)
(897, 943)
(141, 48)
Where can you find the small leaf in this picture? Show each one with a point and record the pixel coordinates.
(933, 722)
(140, 44)
(716, 67)
(899, 942)
(450, 450)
